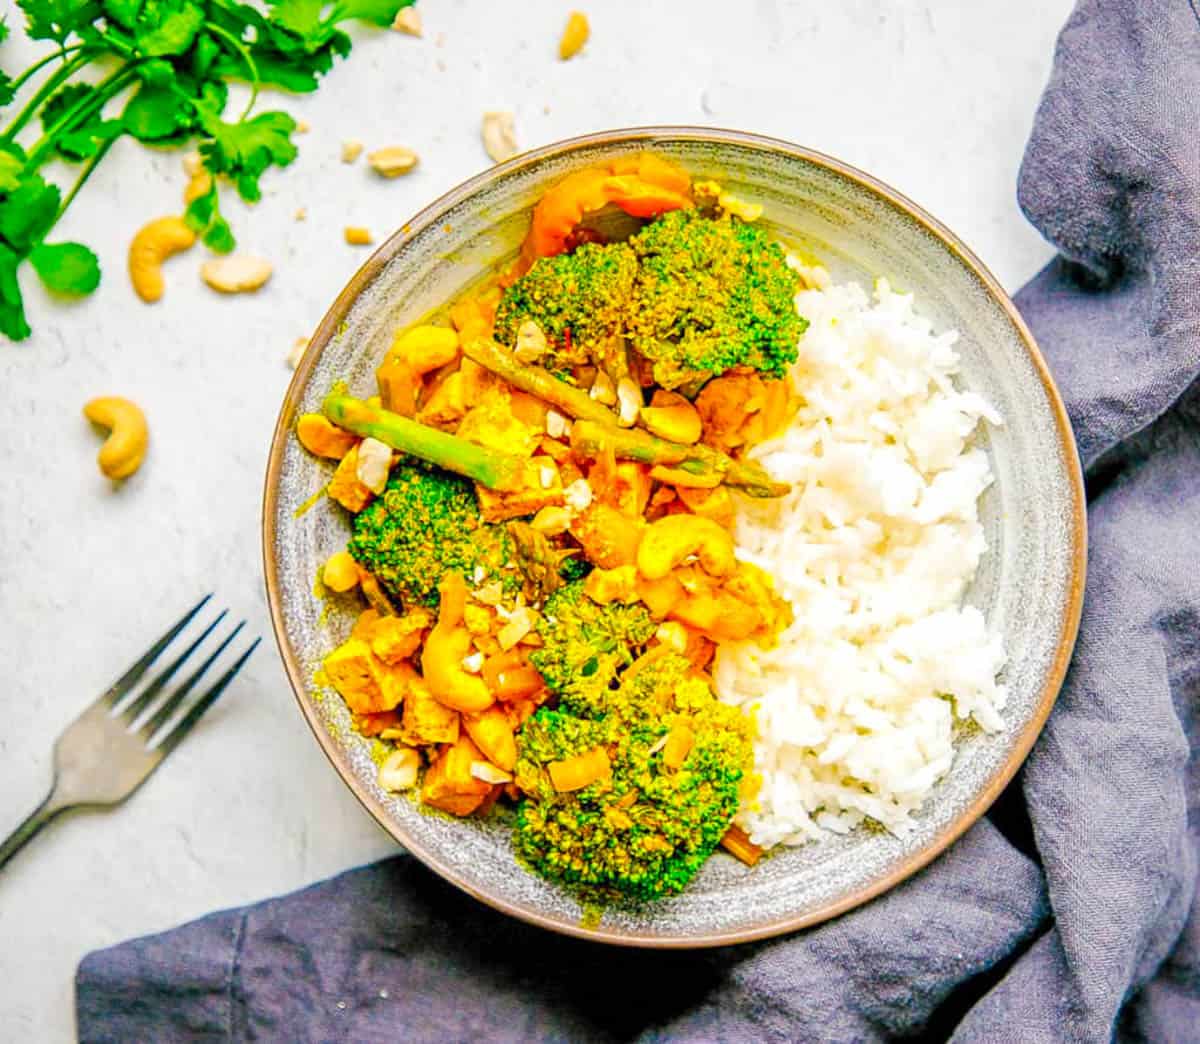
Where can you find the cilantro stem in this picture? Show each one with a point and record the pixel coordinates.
(53, 82)
(24, 78)
(236, 44)
(84, 175)
(85, 107)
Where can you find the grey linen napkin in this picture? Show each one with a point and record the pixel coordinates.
(1069, 913)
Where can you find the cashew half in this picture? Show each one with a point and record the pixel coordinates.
(128, 435)
(499, 135)
(237, 273)
(392, 161)
(152, 245)
(674, 538)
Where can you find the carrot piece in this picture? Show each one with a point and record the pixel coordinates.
(580, 771)
(738, 844)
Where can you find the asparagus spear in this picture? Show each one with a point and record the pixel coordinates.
(599, 425)
(572, 401)
(499, 471)
(589, 438)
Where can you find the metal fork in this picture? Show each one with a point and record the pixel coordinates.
(112, 747)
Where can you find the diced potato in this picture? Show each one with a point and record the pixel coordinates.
(345, 487)
(541, 487)
(395, 638)
(493, 735)
(426, 720)
(449, 783)
(357, 675)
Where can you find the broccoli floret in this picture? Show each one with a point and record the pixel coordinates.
(711, 294)
(647, 829)
(425, 524)
(585, 644)
(579, 300)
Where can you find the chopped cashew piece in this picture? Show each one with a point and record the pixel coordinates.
(128, 435)
(236, 274)
(301, 214)
(374, 463)
(408, 21)
(739, 207)
(673, 634)
(557, 426)
(356, 235)
(399, 769)
(152, 245)
(520, 623)
(531, 342)
(351, 150)
(578, 495)
(299, 346)
(574, 36)
(603, 390)
(488, 772)
(629, 399)
(303, 126)
(340, 572)
(499, 135)
(473, 663)
(392, 161)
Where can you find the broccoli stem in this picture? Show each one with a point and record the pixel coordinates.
(498, 471)
(573, 401)
(589, 439)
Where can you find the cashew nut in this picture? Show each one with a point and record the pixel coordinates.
(323, 439)
(125, 448)
(351, 150)
(340, 572)
(574, 36)
(399, 769)
(670, 416)
(408, 21)
(356, 235)
(237, 274)
(445, 649)
(152, 245)
(393, 161)
(674, 538)
(499, 135)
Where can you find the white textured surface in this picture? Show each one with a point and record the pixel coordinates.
(934, 98)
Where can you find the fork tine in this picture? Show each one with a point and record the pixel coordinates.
(132, 676)
(197, 710)
(172, 702)
(152, 690)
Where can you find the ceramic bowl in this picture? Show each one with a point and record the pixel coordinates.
(1030, 583)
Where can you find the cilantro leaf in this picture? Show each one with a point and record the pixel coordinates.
(6, 87)
(66, 268)
(12, 313)
(218, 236)
(28, 212)
(123, 12)
(244, 150)
(11, 165)
(167, 27)
(57, 19)
(203, 216)
(3, 28)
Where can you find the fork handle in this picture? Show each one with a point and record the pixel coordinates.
(34, 822)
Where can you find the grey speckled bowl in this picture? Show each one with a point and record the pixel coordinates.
(1030, 585)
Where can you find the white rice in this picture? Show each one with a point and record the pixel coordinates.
(874, 548)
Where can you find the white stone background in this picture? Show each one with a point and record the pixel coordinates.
(936, 98)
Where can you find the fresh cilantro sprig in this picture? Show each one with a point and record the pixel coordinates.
(159, 72)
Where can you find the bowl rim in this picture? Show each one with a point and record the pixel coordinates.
(648, 136)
